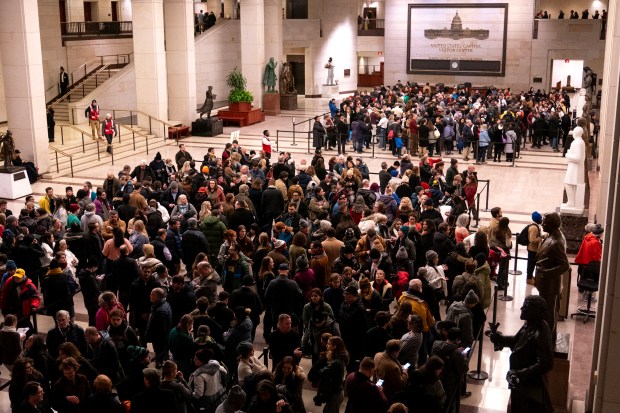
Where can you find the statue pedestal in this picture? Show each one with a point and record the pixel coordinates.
(14, 183)
(207, 127)
(271, 104)
(330, 91)
(578, 207)
(288, 102)
(573, 228)
(560, 390)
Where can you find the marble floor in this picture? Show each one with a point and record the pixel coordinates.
(534, 183)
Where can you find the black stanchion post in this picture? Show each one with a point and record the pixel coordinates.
(373, 146)
(293, 144)
(478, 374)
(309, 133)
(516, 257)
(495, 290)
(488, 190)
(505, 297)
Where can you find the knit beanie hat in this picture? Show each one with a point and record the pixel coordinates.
(536, 217)
(405, 230)
(236, 396)
(402, 254)
(471, 298)
(431, 255)
(136, 353)
(302, 262)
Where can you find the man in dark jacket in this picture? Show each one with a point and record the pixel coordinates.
(181, 298)
(455, 365)
(283, 295)
(193, 243)
(154, 219)
(124, 272)
(162, 253)
(241, 216)
(153, 398)
(175, 245)
(65, 332)
(353, 326)
(159, 325)
(272, 203)
(364, 396)
(102, 354)
(139, 301)
(246, 297)
(141, 171)
(126, 211)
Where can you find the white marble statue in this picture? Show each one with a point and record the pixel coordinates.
(330, 72)
(575, 170)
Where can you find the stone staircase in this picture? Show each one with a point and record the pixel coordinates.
(73, 157)
(79, 90)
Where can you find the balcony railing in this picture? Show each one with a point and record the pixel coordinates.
(371, 27)
(90, 29)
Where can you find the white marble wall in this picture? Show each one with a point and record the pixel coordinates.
(273, 32)
(125, 11)
(75, 10)
(53, 52)
(2, 98)
(80, 51)
(217, 53)
(118, 92)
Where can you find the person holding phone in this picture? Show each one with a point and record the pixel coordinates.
(389, 369)
(364, 396)
(455, 359)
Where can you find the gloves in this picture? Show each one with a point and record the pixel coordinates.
(512, 378)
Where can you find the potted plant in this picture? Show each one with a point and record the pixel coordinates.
(239, 99)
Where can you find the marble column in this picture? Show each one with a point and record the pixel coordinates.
(22, 67)
(180, 60)
(230, 9)
(75, 10)
(150, 59)
(273, 31)
(253, 57)
(603, 396)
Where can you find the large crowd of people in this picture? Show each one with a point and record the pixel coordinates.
(376, 279)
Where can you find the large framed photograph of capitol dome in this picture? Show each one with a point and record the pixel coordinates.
(457, 39)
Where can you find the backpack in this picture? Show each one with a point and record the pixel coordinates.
(524, 238)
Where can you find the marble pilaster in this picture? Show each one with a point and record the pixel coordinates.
(180, 60)
(150, 59)
(253, 58)
(22, 67)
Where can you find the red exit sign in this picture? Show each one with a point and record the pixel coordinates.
(566, 60)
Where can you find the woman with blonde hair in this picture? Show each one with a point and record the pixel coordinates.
(205, 209)
(405, 208)
(138, 238)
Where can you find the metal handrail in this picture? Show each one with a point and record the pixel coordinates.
(163, 123)
(100, 58)
(62, 136)
(133, 137)
(63, 153)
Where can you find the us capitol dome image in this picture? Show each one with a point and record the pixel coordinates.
(456, 31)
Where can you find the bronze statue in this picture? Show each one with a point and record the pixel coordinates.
(208, 105)
(551, 263)
(287, 81)
(531, 358)
(269, 78)
(8, 148)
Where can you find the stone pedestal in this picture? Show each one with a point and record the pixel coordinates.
(207, 127)
(14, 183)
(330, 91)
(578, 208)
(573, 230)
(288, 102)
(560, 390)
(271, 104)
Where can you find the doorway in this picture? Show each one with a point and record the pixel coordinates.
(298, 69)
(114, 5)
(564, 70)
(88, 13)
(296, 9)
(63, 16)
(371, 13)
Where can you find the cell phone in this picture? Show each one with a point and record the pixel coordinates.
(406, 366)
(379, 383)
(465, 352)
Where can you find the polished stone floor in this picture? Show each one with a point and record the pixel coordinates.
(534, 183)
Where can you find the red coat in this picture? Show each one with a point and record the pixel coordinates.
(590, 250)
(20, 302)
